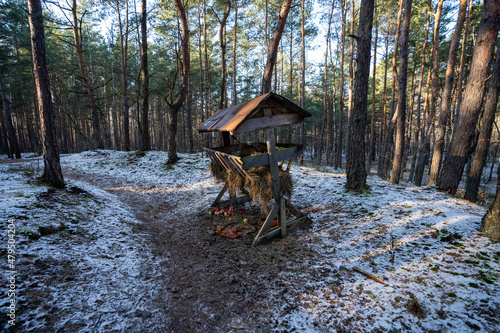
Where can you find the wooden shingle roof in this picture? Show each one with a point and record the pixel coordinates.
(268, 110)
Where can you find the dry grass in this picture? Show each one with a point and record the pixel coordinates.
(260, 183)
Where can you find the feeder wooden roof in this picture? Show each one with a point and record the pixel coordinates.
(268, 110)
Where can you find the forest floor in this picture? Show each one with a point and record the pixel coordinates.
(130, 246)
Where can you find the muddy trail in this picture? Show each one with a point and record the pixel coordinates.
(210, 283)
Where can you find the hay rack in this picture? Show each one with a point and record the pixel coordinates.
(265, 112)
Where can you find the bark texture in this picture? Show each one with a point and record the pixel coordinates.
(223, 44)
(418, 150)
(145, 141)
(175, 105)
(483, 142)
(432, 81)
(397, 164)
(384, 165)
(372, 125)
(97, 141)
(356, 170)
(52, 169)
(272, 51)
(124, 60)
(456, 158)
(491, 220)
(340, 131)
(11, 132)
(446, 99)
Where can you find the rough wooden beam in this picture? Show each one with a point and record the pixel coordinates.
(267, 224)
(219, 196)
(255, 124)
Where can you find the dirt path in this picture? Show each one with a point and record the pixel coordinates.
(211, 283)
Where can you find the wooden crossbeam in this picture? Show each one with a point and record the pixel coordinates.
(267, 223)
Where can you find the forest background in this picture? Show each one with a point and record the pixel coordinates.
(105, 97)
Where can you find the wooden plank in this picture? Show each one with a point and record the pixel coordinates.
(226, 149)
(273, 166)
(255, 124)
(267, 223)
(276, 231)
(294, 210)
(235, 201)
(288, 153)
(219, 196)
(263, 159)
(255, 161)
(282, 217)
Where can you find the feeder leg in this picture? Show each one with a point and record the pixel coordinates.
(282, 217)
(266, 224)
(221, 193)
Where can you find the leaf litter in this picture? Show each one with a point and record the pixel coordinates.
(136, 250)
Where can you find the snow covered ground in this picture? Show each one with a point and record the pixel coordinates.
(441, 273)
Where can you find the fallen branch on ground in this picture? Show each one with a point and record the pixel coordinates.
(370, 275)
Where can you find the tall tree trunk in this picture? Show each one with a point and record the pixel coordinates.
(418, 135)
(434, 77)
(223, 44)
(491, 221)
(175, 105)
(145, 140)
(206, 72)
(397, 165)
(462, 63)
(235, 35)
(52, 168)
(325, 88)
(351, 78)
(340, 133)
(383, 122)
(471, 105)
(289, 138)
(27, 110)
(202, 77)
(372, 124)
(7, 120)
(483, 142)
(432, 83)
(124, 59)
(302, 73)
(389, 139)
(356, 170)
(446, 99)
(97, 141)
(272, 52)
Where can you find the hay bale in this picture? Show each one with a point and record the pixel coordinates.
(251, 149)
(260, 185)
(218, 171)
(234, 182)
(260, 182)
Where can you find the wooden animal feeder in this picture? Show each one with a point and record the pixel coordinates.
(262, 113)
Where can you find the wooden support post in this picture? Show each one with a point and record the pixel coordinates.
(282, 217)
(267, 224)
(273, 165)
(219, 196)
(226, 139)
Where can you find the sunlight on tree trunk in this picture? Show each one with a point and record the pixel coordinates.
(52, 169)
(356, 170)
(272, 52)
(397, 165)
(456, 157)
